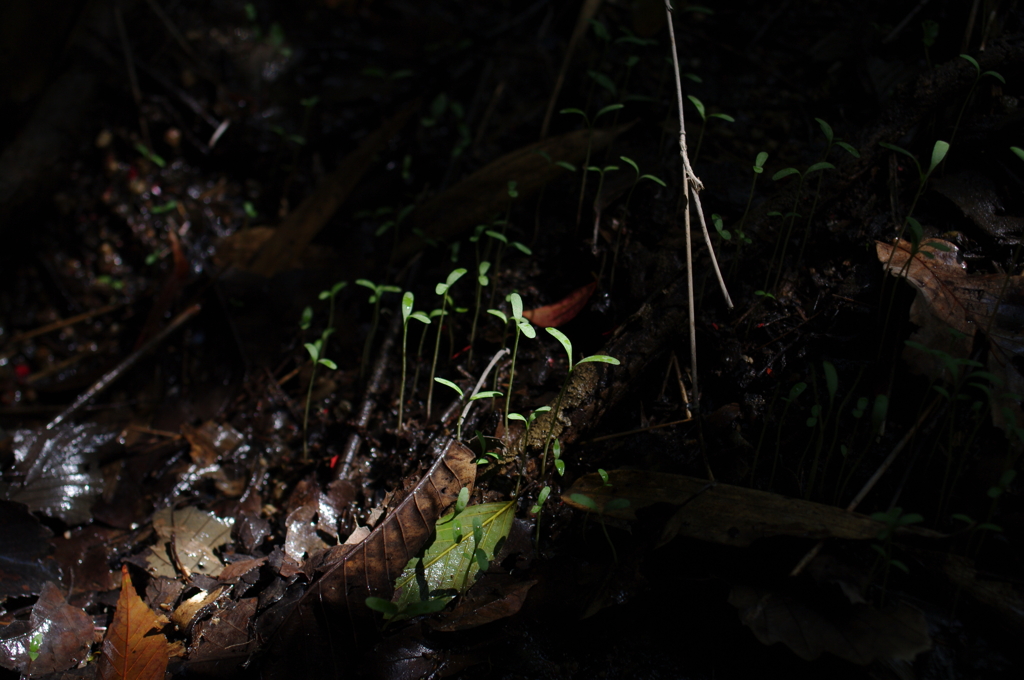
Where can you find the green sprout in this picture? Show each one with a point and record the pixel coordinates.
(704, 115)
(978, 73)
(149, 155)
(481, 281)
(317, 351)
(523, 327)
(597, 198)
(586, 162)
(478, 395)
(407, 313)
(637, 178)
(929, 34)
(567, 345)
(831, 141)
(442, 290)
(792, 215)
(376, 293)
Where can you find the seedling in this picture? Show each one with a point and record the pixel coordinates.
(893, 520)
(407, 313)
(597, 199)
(481, 281)
(478, 395)
(637, 178)
(704, 115)
(567, 346)
(977, 78)
(442, 290)
(929, 33)
(148, 154)
(523, 327)
(782, 174)
(317, 351)
(586, 162)
(831, 141)
(376, 293)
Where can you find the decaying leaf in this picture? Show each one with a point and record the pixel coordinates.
(222, 642)
(859, 633)
(473, 200)
(196, 534)
(328, 618)
(289, 240)
(131, 651)
(721, 513)
(452, 562)
(563, 311)
(951, 307)
(56, 637)
(493, 597)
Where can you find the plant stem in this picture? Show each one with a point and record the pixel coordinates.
(437, 347)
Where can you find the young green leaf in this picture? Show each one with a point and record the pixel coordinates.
(517, 305)
(823, 165)
(760, 161)
(407, 302)
(698, 104)
(607, 109)
(938, 153)
(566, 343)
(450, 384)
(826, 129)
(602, 358)
(785, 172)
(485, 395)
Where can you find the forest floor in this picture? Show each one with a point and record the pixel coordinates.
(260, 256)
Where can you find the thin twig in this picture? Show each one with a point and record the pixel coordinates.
(104, 382)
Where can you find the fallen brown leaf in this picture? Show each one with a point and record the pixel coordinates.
(721, 513)
(563, 311)
(328, 618)
(130, 652)
(57, 636)
(951, 307)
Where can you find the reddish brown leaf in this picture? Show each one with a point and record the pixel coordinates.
(57, 635)
(129, 652)
(564, 310)
(333, 610)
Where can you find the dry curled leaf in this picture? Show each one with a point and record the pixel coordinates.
(130, 652)
(332, 613)
(563, 311)
(951, 307)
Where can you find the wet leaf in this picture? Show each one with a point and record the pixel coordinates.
(224, 640)
(58, 470)
(332, 614)
(950, 307)
(450, 564)
(720, 513)
(563, 311)
(131, 651)
(56, 637)
(196, 534)
(24, 549)
(859, 633)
